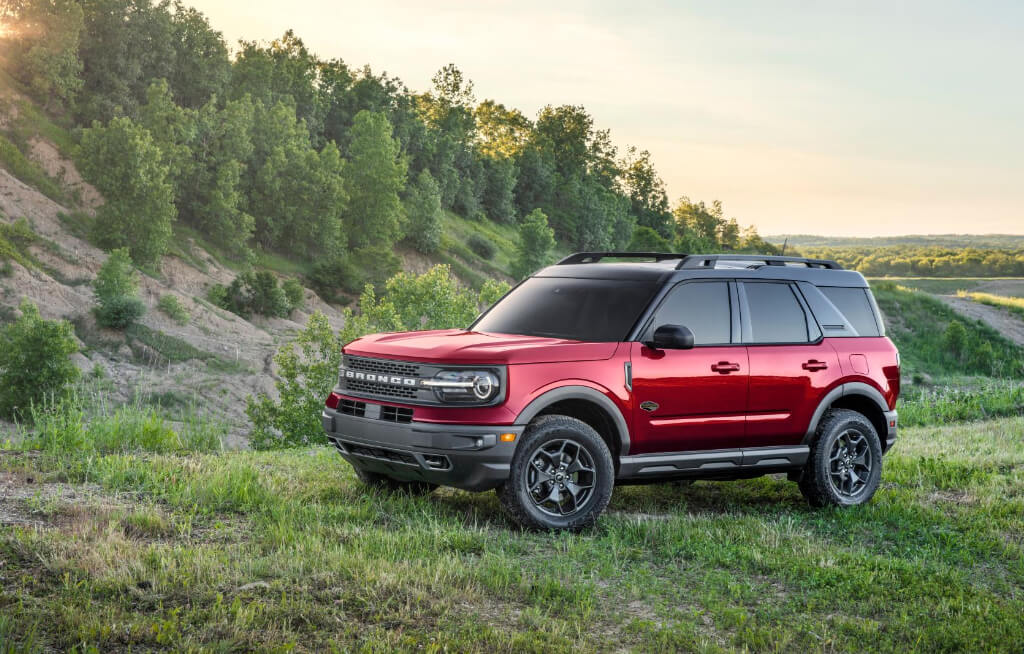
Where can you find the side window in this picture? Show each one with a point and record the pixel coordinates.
(776, 315)
(856, 306)
(701, 306)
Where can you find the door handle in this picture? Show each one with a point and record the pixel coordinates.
(814, 364)
(725, 367)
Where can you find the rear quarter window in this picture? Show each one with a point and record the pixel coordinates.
(856, 305)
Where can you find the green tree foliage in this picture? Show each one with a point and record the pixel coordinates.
(646, 192)
(376, 175)
(482, 246)
(117, 291)
(433, 300)
(307, 370)
(126, 166)
(201, 68)
(43, 46)
(34, 361)
(536, 240)
(701, 229)
(423, 213)
(294, 293)
(296, 194)
(646, 239)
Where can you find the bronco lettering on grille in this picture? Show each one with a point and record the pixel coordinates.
(380, 378)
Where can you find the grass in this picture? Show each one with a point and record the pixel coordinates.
(960, 399)
(1014, 305)
(174, 309)
(917, 323)
(286, 551)
(28, 171)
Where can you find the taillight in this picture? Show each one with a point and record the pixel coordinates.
(332, 401)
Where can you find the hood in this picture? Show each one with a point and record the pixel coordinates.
(465, 347)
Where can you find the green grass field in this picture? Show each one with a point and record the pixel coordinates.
(138, 543)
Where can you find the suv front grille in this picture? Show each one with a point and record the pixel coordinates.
(383, 366)
(398, 414)
(376, 388)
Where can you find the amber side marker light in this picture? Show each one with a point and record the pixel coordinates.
(507, 438)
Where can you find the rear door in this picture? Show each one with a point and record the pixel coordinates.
(791, 366)
(691, 399)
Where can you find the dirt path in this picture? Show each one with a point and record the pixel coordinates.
(1006, 323)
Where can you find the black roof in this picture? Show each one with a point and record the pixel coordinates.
(672, 267)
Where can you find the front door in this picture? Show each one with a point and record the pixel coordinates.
(694, 399)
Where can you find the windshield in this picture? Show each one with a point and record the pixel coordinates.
(593, 310)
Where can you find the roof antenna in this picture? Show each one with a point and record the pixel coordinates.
(784, 243)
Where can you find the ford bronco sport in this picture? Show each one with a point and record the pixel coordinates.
(647, 368)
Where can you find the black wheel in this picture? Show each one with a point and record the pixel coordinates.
(561, 476)
(383, 482)
(845, 464)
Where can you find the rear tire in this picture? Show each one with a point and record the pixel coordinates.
(845, 464)
(383, 482)
(561, 476)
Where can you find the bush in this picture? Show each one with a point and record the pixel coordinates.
(120, 312)
(333, 276)
(955, 339)
(307, 369)
(116, 289)
(423, 214)
(294, 293)
(173, 309)
(483, 247)
(34, 361)
(536, 239)
(252, 293)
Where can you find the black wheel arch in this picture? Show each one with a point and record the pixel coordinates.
(856, 396)
(588, 405)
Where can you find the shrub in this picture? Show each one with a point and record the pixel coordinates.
(34, 360)
(955, 339)
(536, 239)
(294, 293)
(307, 369)
(334, 275)
(173, 308)
(423, 213)
(116, 289)
(482, 246)
(252, 293)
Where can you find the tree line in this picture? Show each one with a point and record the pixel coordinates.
(903, 261)
(277, 149)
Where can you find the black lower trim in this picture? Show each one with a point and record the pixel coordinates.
(713, 462)
(470, 457)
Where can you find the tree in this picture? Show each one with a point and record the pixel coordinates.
(34, 361)
(646, 192)
(535, 241)
(125, 165)
(423, 213)
(117, 291)
(501, 132)
(376, 176)
(499, 184)
(44, 49)
(201, 65)
(646, 239)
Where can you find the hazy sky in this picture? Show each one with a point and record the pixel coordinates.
(851, 118)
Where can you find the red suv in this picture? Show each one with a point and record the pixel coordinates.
(647, 368)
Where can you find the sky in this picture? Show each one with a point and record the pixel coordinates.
(841, 118)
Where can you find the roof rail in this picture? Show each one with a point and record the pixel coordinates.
(709, 261)
(594, 257)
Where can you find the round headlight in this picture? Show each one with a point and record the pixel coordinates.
(484, 386)
(464, 386)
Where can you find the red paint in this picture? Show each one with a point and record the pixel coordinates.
(708, 397)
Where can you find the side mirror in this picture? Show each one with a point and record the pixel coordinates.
(671, 337)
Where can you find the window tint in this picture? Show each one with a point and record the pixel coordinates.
(775, 314)
(701, 306)
(594, 310)
(856, 306)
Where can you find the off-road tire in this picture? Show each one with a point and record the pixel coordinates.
(385, 483)
(822, 481)
(580, 443)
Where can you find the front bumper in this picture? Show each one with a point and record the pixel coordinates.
(891, 423)
(470, 457)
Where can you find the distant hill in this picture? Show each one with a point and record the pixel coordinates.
(982, 241)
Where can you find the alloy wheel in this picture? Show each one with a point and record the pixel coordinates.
(560, 477)
(850, 463)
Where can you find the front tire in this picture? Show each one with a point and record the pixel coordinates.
(561, 476)
(845, 464)
(383, 482)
